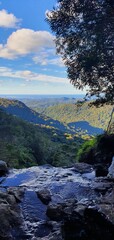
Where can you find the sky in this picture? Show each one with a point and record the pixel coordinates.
(28, 60)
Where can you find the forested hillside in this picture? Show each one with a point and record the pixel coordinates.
(23, 144)
(79, 119)
(71, 113)
(39, 139)
(19, 109)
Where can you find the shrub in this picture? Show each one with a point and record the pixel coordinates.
(86, 147)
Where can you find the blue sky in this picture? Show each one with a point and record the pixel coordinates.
(28, 60)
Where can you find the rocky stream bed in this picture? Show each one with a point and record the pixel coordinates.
(51, 203)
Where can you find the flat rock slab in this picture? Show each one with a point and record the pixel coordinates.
(83, 168)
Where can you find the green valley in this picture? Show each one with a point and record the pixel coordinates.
(24, 144)
(74, 115)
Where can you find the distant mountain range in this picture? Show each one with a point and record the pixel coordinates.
(76, 118)
(19, 109)
(76, 115)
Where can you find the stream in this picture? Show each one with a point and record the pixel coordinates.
(63, 184)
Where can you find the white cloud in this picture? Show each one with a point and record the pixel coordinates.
(44, 60)
(8, 20)
(25, 41)
(31, 76)
(48, 57)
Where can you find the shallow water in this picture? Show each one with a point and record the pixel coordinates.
(43, 175)
(63, 184)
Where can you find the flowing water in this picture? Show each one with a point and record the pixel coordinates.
(63, 184)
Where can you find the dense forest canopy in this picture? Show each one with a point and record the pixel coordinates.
(85, 38)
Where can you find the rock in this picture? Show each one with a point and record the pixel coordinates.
(9, 215)
(83, 168)
(102, 186)
(44, 195)
(99, 224)
(16, 192)
(89, 221)
(55, 212)
(111, 169)
(101, 170)
(74, 225)
(3, 168)
(101, 154)
(53, 236)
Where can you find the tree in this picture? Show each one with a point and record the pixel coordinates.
(85, 38)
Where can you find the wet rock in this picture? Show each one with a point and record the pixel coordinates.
(43, 230)
(7, 199)
(3, 168)
(89, 221)
(54, 225)
(55, 212)
(74, 224)
(53, 236)
(16, 192)
(44, 195)
(9, 215)
(79, 210)
(111, 169)
(83, 168)
(99, 226)
(102, 186)
(55, 233)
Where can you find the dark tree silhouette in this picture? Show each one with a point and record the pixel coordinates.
(84, 32)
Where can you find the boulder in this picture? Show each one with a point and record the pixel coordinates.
(44, 195)
(9, 215)
(102, 185)
(3, 168)
(55, 212)
(90, 220)
(100, 223)
(83, 168)
(17, 193)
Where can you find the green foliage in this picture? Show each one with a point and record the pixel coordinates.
(23, 144)
(69, 113)
(85, 148)
(84, 37)
(99, 151)
(8, 102)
